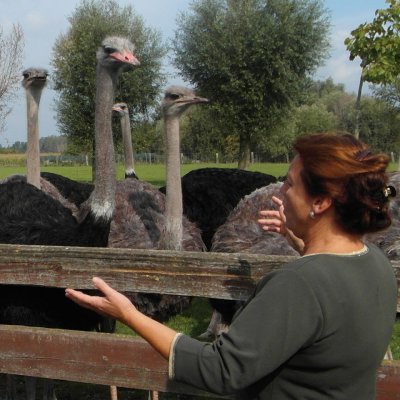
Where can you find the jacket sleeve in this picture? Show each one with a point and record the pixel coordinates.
(282, 316)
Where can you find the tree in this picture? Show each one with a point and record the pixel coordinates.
(390, 95)
(378, 45)
(11, 49)
(75, 66)
(250, 57)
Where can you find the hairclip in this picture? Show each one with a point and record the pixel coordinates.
(389, 191)
(362, 154)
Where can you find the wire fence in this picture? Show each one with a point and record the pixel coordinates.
(19, 160)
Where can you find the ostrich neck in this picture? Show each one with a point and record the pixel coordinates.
(173, 207)
(127, 143)
(102, 199)
(33, 153)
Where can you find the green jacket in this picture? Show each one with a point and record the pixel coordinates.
(316, 329)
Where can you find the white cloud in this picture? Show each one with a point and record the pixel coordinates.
(35, 20)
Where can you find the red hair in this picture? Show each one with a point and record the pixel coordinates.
(344, 168)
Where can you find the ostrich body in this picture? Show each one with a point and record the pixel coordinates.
(72, 191)
(389, 239)
(241, 233)
(210, 194)
(145, 218)
(30, 216)
(121, 109)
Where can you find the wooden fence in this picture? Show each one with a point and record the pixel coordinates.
(125, 361)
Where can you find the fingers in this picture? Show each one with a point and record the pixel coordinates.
(80, 298)
(277, 201)
(102, 286)
(270, 213)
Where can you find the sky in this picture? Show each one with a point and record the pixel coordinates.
(44, 20)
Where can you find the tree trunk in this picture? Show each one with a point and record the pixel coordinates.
(358, 108)
(244, 153)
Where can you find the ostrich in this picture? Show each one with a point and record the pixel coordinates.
(34, 81)
(210, 194)
(74, 192)
(30, 216)
(145, 218)
(389, 239)
(121, 109)
(241, 233)
(78, 192)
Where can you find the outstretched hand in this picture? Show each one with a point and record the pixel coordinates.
(275, 221)
(114, 304)
(117, 306)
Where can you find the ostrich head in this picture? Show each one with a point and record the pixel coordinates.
(177, 99)
(34, 78)
(115, 50)
(120, 109)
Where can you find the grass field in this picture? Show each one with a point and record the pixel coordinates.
(153, 173)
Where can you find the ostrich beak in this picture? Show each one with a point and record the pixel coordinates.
(126, 57)
(201, 100)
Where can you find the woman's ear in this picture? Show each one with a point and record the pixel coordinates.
(321, 204)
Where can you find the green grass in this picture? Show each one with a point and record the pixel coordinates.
(193, 321)
(153, 173)
(395, 342)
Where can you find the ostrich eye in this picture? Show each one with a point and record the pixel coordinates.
(109, 49)
(172, 96)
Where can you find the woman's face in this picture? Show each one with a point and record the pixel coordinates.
(296, 201)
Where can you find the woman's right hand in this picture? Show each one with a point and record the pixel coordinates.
(275, 221)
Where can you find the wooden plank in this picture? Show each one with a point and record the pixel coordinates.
(88, 357)
(230, 276)
(110, 359)
(388, 381)
(218, 275)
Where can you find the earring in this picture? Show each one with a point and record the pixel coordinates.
(312, 214)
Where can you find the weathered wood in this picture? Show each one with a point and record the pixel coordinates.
(388, 381)
(122, 360)
(88, 357)
(108, 359)
(230, 276)
(218, 275)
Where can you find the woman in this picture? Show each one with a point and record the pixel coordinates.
(317, 328)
